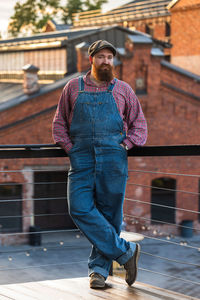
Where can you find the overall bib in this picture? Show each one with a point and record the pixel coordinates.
(97, 177)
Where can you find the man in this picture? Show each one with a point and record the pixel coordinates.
(97, 120)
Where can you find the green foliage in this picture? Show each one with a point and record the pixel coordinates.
(94, 4)
(30, 16)
(75, 6)
(72, 6)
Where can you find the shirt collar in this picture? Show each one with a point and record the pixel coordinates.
(88, 81)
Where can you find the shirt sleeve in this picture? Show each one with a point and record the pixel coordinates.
(60, 126)
(136, 122)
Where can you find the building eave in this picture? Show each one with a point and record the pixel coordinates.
(171, 4)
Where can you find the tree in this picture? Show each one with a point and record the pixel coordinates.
(75, 6)
(94, 4)
(72, 6)
(31, 16)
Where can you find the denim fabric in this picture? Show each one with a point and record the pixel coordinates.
(97, 177)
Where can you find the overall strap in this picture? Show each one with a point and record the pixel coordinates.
(80, 84)
(111, 86)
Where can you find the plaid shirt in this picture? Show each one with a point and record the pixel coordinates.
(127, 103)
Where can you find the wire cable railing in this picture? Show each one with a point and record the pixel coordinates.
(164, 189)
(165, 238)
(154, 221)
(165, 206)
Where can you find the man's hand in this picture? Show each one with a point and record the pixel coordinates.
(124, 146)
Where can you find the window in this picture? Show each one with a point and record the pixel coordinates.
(149, 29)
(163, 196)
(51, 186)
(167, 29)
(141, 78)
(140, 85)
(8, 207)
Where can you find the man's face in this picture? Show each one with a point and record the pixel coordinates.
(102, 65)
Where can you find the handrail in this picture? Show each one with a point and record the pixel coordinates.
(53, 150)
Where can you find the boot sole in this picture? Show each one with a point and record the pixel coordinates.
(137, 255)
(136, 260)
(97, 286)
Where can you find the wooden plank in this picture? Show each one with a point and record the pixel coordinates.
(78, 288)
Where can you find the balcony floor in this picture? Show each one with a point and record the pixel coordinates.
(78, 288)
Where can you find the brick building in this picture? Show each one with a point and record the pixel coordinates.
(176, 22)
(148, 16)
(170, 99)
(185, 34)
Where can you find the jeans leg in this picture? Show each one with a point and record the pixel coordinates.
(109, 201)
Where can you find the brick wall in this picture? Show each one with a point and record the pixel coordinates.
(173, 118)
(185, 35)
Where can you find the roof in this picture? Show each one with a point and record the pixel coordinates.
(64, 35)
(180, 70)
(140, 39)
(172, 3)
(144, 8)
(12, 94)
(9, 91)
(134, 10)
(59, 27)
(21, 43)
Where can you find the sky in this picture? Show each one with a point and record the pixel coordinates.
(7, 10)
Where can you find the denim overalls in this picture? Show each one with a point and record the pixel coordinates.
(97, 177)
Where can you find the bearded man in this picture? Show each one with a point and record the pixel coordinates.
(97, 120)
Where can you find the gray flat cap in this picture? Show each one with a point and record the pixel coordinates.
(99, 45)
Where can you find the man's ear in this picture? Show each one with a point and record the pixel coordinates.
(91, 59)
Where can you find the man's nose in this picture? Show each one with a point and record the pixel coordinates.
(106, 60)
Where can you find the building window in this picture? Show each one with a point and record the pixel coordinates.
(140, 86)
(51, 186)
(149, 29)
(167, 29)
(10, 208)
(141, 78)
(163, 196)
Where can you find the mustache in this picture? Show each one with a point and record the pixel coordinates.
(105, 65)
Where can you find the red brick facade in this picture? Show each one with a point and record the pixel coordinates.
(171, 106)
(185, 34)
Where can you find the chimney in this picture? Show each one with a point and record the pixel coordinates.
(30, 83)
(83, 63)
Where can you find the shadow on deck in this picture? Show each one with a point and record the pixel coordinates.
(78, 288)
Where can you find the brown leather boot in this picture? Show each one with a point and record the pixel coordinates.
(131, 266)
(97, 281)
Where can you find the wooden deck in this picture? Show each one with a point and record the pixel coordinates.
(78, 288)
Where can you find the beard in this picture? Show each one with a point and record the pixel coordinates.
(103, 72)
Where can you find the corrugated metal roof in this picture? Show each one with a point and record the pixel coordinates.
(142, 7)
(134, 10)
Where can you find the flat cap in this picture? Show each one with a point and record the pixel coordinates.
(99, 45)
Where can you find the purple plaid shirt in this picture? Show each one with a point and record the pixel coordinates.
(127, 103)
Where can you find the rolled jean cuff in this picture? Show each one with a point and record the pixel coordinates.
(98, 270)
(126, 256)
